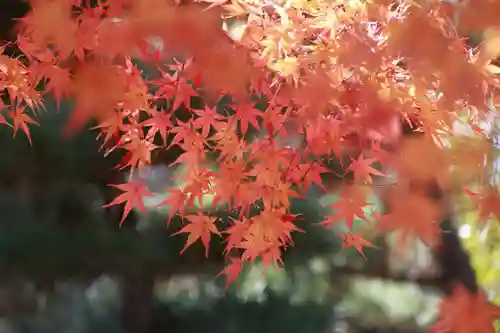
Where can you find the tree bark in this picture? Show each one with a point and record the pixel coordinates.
(137, 303)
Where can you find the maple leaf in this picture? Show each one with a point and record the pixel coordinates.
(381, 155)
(206, 119)
(236, 233)
(411, 214)
(254, 246)
(348, 207)
(274, 121)
(199, 184)
(187, 137)
(306, 174)
(410, 162)
(469, 156)
(19, 82)
(88, 86)
(111, 126)
(357, 241)
(362, 169)
(4, 121)
(466, 312)
(201, 227)
(489, 205)
(267, 233)
(59, 80)
(177, 201)
(132, 196)
(138, 152)
(165, 84)
(232, 271)
(21, 121)
(160, 122)
(46, 18)
(192, 142)
(230, 183)
(247, 114)
(289, 59)
(183, 94)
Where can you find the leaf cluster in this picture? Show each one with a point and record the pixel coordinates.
(312, 80)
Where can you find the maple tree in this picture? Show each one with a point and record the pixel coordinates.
(338, 75)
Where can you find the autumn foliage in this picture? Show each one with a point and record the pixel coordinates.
(315, 80)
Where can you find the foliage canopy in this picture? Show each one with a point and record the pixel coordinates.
(304, 82)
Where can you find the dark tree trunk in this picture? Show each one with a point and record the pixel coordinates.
(137, 303)
(452, 259)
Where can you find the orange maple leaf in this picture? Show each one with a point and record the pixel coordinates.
(357, 241)
(267, 233)
(201, 227)
(134, 192)
(421, 158)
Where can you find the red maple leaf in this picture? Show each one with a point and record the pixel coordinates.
(363, 170)
(21, 121)
(132, 196)
(348, 207)
(183, 94)
(159, 122)
(201, 227)
(206, 119)
(246, 113)
(138, 152)
(357, 241)
(306, 174)
(236, 233)
(232, 271)
(111, 127)
(177, 202)
(187, 137)
(199, 185)
(59, 80)
(97, 89)
(466, 312)
(165, 84)
(411, 215)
